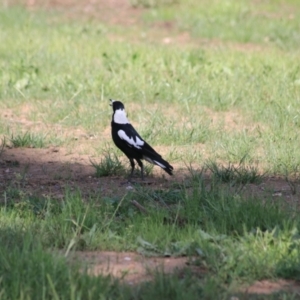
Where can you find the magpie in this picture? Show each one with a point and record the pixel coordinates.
(130, 142)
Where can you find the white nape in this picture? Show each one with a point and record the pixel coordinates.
(137, 143)
(120, 116)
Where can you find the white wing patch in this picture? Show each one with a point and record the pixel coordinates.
(120, 116)
(135, 143)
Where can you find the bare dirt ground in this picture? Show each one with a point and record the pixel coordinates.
(133, 268)
(47, 172)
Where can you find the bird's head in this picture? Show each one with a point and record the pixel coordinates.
(116, 105)
(119, 115)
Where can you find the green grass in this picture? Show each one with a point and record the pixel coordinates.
(38, 274)
(109, 165)
(272, 23)
(165, 84)
(28, 140)
(240, 174)
(226, 99)
(235, 239)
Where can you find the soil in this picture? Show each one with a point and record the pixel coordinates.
(131, 267)
(47, 172)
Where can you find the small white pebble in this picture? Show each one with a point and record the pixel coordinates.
(129, 187)
(127, 258)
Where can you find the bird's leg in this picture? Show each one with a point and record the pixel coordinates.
(142, 167)
(132, 168)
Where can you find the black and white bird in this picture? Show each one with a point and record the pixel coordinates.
(130, 142)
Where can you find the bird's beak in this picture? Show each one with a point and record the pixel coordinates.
(111, 102)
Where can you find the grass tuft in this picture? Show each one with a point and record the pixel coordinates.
(240, 174)
(29, 140)
(110, 165)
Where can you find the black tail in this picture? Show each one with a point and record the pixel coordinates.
(150, 155)
(167, 167)
(156, 159)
